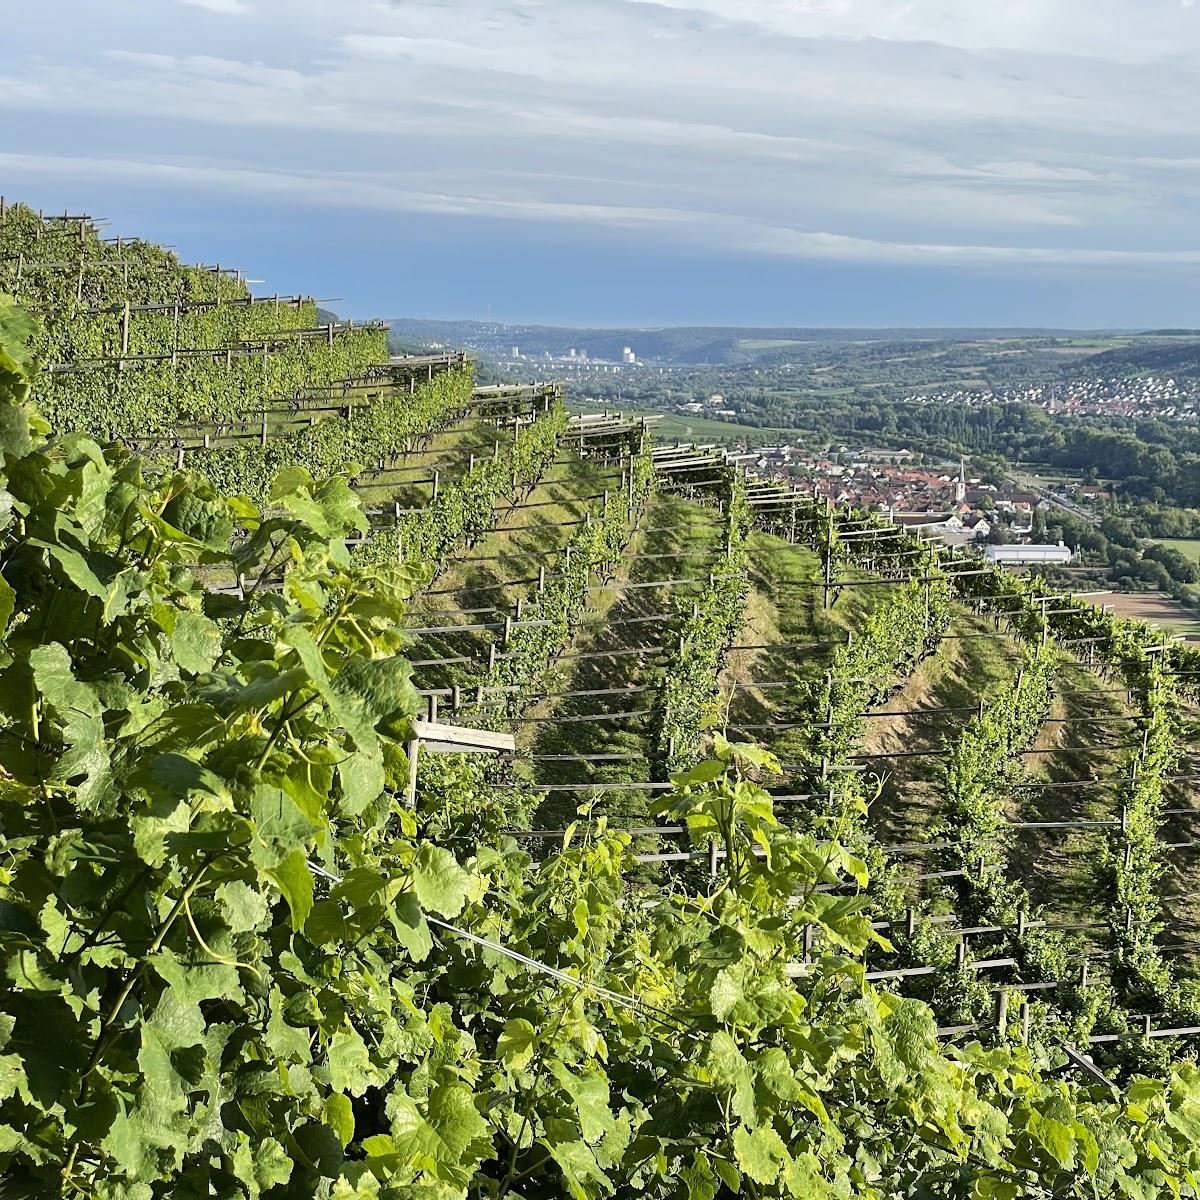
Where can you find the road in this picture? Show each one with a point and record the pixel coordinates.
(1055, 498)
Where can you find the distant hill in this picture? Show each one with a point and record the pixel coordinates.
(716, 344)
(1180, 356)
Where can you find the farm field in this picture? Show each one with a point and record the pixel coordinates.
(419, 789)
(1159, 609)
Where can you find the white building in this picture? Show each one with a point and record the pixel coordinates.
(1029, 556)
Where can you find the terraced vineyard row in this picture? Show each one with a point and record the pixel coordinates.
(976, 740)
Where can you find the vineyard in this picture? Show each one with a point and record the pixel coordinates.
(412, 789)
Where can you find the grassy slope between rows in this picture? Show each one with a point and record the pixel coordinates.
(495, 573)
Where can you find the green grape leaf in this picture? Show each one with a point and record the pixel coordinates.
(339, 1116)
(281, 827)
(195, 642)
(412, 930)
(580, 1171)
(760, 1153)
(441, 885)
(293, 878)
(724, 994)
(516, 1044)
(350, 1067)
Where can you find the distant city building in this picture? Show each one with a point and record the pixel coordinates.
(628, 356)
(571, 352)
(516, 352)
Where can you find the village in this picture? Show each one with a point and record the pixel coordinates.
(1151, 396)
(940, 502)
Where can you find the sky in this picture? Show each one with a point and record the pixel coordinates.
(635, 162)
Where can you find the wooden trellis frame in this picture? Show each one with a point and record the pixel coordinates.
(438, 738)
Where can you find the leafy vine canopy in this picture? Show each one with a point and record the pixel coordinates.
(236, 965)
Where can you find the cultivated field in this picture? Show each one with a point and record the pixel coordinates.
(1155, 607)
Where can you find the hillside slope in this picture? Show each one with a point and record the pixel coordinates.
(269, 931)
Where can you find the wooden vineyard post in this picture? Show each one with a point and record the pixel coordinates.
(125, 330)
(1002, 1012)
(412, 748)
(828, 559)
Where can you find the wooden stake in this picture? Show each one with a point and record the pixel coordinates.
(412, 749)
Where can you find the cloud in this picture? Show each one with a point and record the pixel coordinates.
(1115, 30)
(836, 247)
(344, 191)
(1036, 133)
(351, 191)
(232, 7)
